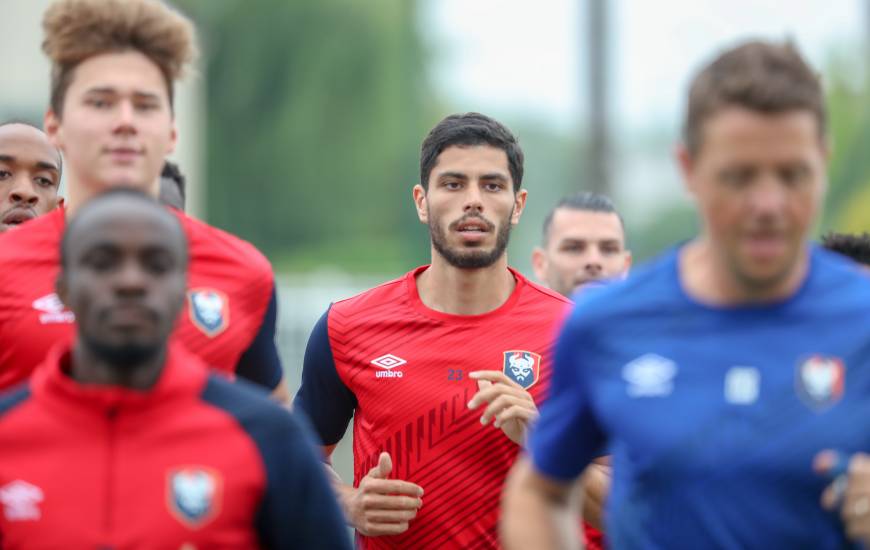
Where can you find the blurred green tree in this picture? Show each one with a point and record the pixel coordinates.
(316, 109)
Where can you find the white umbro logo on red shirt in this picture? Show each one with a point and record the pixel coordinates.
(21, 500)
(52, 310)
(388, 361)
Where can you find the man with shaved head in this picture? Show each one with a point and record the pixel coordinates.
(30, 169)
(211, 463)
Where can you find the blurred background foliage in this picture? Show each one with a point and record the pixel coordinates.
(316, 110)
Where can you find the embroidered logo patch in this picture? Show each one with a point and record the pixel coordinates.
(209, 310)
(523, 367)
(821, 381)
(194, 495)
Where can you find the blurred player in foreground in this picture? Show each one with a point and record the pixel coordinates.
(124, 441)
(718, 374)
(441, 369)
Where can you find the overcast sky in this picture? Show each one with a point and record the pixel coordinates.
(518, 55)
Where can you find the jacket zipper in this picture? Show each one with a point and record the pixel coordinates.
(108, 500)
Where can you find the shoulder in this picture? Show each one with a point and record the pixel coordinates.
(208, 243)
(384, 293)
(838, 279)
(541, 293)
(36, 239)
(248, 404)
(652, 287)
(10, 399)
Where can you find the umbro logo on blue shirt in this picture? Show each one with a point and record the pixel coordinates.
(649, 375)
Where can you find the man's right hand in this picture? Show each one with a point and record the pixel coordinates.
(381, 506)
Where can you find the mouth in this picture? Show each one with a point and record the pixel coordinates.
(124, 154)
(130, 317)
(17, 216)
(472, 228)
(764, 245)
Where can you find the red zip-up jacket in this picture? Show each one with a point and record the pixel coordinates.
(197, 462)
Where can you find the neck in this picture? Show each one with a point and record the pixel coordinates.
(456, 291)
(79, 192)
(89, 368)
(707, 277)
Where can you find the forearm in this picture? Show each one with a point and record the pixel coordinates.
(343, 492)
(535, 518)
(595, 487)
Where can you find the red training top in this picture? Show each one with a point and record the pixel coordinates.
(401, 371)
(229, 314)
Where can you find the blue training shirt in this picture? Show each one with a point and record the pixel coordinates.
(713, 415)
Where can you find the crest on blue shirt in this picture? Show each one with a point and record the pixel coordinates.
(209, 310)
(194, 495)
(821, 381)
(523, 367)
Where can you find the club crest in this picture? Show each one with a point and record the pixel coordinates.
(194, 495)
(523, 367)
(821, 381)
(209, 310)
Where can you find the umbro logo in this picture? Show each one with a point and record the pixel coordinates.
(388, 362)
(649, 375)
(21, 501)
(52, 310)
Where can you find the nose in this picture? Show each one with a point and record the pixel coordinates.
(125, 118)
(592, 263)
(23, 193)
(768, 197)
(131, 279)
(473, 199)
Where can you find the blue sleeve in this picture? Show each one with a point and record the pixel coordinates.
(299, 508)
(567, 435)
(323, 397)
(260, 363)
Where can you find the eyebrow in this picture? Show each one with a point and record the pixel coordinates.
(41, 164)
(108, 90)
(460, 175)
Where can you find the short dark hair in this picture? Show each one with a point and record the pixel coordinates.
(129, 193)
(766, 77)
(856, 247)
(470, 129)
(171, 171)
(35, 127)
(586, 201)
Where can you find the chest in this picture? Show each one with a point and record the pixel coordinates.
(755, 401)
(169, 488)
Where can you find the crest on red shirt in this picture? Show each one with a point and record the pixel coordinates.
(523, 367)
(820, 381)
(209, 310)
(194, 495)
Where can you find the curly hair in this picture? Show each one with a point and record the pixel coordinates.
(856, 247)
(76, 30)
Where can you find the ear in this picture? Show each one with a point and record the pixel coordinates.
(519, 205)
(628, 260)
(51, 124)
(539, 264)
(686, 164)
(420, 202)
(173, 139)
